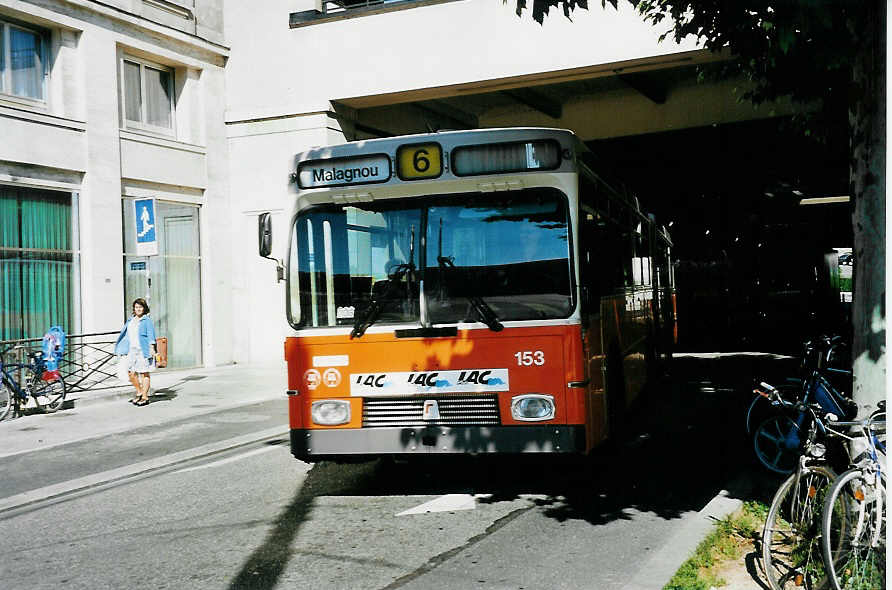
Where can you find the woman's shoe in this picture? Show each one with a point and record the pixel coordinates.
(142, 402)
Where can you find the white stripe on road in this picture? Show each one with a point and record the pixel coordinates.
(229, 459)
(446, 503)
(123, 473)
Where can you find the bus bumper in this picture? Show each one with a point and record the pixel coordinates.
(358, 442)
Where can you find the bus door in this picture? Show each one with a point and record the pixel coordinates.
(591, 260)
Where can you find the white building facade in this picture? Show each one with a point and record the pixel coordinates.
(102, 104)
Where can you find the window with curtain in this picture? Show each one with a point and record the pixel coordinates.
(148, 95)
(21, 62)
(38, 262)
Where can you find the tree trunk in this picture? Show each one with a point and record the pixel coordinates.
(867, 122)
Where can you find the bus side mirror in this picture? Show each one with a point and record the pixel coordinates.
(265, 242)
(265, 234)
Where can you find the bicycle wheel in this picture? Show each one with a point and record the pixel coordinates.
(776, 442)
(50, 395)
(6, 401)
(854, 532)
(791, 551)
(24, 377)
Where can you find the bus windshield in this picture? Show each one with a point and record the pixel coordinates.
(457, 255)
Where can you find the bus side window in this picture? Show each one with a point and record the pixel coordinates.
(590, 263)
(590, 244)
(607, 264)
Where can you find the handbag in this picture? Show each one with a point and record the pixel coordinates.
(161, 352)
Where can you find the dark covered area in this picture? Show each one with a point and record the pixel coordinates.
(755, 210)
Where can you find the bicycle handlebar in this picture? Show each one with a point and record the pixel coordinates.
(866, 423)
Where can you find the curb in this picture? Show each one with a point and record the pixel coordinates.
(660, 568)
(128, 427)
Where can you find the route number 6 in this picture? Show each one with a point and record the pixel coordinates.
(530, 357)
(419, 160)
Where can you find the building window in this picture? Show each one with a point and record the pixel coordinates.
(329, 10)
(39, 274)
(148, 95)
(21, 62)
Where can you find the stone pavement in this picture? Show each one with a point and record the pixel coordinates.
(176, 394)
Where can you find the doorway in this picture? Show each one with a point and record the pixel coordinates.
(171, 281)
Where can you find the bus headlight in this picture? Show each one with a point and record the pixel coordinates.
(532, 407)
(330, 412)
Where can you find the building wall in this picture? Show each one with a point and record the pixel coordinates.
(78, 140)
(284, 70)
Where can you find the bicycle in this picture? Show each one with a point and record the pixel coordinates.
(21, 381)
(791, 548)
(777, 440)
(853, 526)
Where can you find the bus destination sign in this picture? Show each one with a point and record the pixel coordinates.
(343, 171)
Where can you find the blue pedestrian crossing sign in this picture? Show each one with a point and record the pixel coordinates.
(146, 234)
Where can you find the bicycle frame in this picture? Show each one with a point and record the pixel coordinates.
(813, 386)
(871, 469)
(20, 390)
(818, 391)
(10, 382)
(878, 484)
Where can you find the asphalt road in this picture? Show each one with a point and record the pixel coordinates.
(254, 517)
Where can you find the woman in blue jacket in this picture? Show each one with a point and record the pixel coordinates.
(136, 348)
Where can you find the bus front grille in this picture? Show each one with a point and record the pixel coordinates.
(454, 410)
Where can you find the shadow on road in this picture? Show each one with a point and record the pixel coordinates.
(685, 442)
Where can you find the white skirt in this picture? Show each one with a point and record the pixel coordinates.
(137, 363)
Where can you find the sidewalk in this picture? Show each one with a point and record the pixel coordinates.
(175, 395)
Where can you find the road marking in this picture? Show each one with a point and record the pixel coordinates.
(122, 473)
(228, 459)
(447, 503)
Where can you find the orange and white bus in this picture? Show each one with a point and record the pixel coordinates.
(484, 291)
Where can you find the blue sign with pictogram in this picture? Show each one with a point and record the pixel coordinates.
(146, 235)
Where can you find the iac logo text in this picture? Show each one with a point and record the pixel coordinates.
(372, 380)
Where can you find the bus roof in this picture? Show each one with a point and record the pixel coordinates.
(448, 139)
(442, 155)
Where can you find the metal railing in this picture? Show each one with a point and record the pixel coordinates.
(88, 362)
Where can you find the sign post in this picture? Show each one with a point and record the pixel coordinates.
(146, 236)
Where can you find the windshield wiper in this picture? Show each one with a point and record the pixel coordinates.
(487, 315)
(376, 304)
